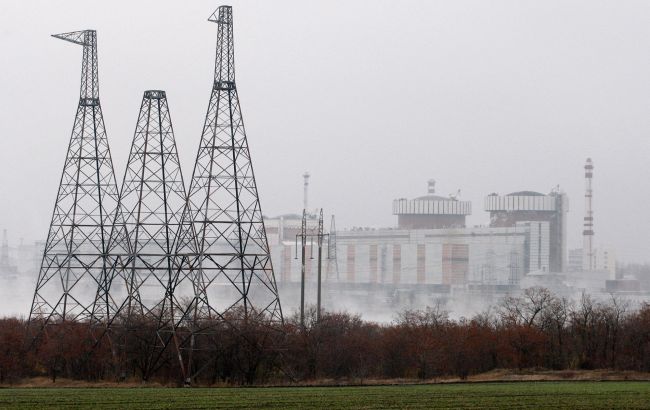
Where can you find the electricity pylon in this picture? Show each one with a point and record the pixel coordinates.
(151, 204)
(223, 242)
(72, 282)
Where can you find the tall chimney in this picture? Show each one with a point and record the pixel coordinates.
(305, 194)
(588, 232)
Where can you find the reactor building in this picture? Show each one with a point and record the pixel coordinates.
(431, 211)
(433, 249)
(546, 218)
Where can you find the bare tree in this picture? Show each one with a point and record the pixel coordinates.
(526, 309)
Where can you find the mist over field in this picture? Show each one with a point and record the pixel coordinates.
(423, 192)
(486, 97)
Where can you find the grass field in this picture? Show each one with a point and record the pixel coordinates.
(592, 395)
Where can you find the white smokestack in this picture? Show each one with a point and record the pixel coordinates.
(305, 198)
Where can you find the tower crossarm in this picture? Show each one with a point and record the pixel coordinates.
(224, 72)
(77, 37)
(89, 90)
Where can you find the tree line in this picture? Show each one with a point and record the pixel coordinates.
(537, 330)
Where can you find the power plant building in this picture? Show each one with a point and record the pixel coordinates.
(546, 215)
(432, 245)
(431, 211)
(451, 256)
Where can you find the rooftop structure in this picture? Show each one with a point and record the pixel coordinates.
(431, 211)
(528, 207)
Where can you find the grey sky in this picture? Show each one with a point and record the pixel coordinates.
(373, 98)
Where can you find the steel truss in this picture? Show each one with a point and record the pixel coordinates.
(142, 292)
(72, 284)
(224, 242)
(153, 256)
(222, 248)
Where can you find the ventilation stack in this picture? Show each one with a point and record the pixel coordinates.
(305, 196)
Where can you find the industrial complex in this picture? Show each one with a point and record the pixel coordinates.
(431, 255)
(109, 249)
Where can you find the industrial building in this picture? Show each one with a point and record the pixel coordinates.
(431, 211)
(450, 256)
(546, 217)
(603, 260)
(431, 244)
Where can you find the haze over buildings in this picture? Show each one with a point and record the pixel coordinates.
(503, 97)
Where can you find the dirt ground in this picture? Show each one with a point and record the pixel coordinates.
(498, 375)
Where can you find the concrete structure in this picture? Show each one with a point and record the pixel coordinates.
(624, 285)
(20, 259)
(574, 263)
(538, 255)
(432, 246)
(431, 256)
(431, 211)
(588, 232)
(452, 257)
(528, 207)
(284, 228)
(7, 265)
(603, 260)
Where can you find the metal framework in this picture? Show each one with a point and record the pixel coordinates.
(150, 255)
(303, 253)
(223, 245)
(151, 204)
(320, 235)
(72, 284)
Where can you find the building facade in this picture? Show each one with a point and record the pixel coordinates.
(433, 246)
(530, 207)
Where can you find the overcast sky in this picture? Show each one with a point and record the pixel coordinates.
(372, 97)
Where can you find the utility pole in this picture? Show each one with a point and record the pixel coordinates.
(303, 240)
(320, 263)
(320, 235)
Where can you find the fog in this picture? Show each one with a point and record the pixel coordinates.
(485, 97)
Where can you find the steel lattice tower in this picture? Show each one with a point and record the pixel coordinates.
(72, 283)
(152, 199)
(223, 243)
(151, 204)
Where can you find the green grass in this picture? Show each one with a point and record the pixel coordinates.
(533, 395)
